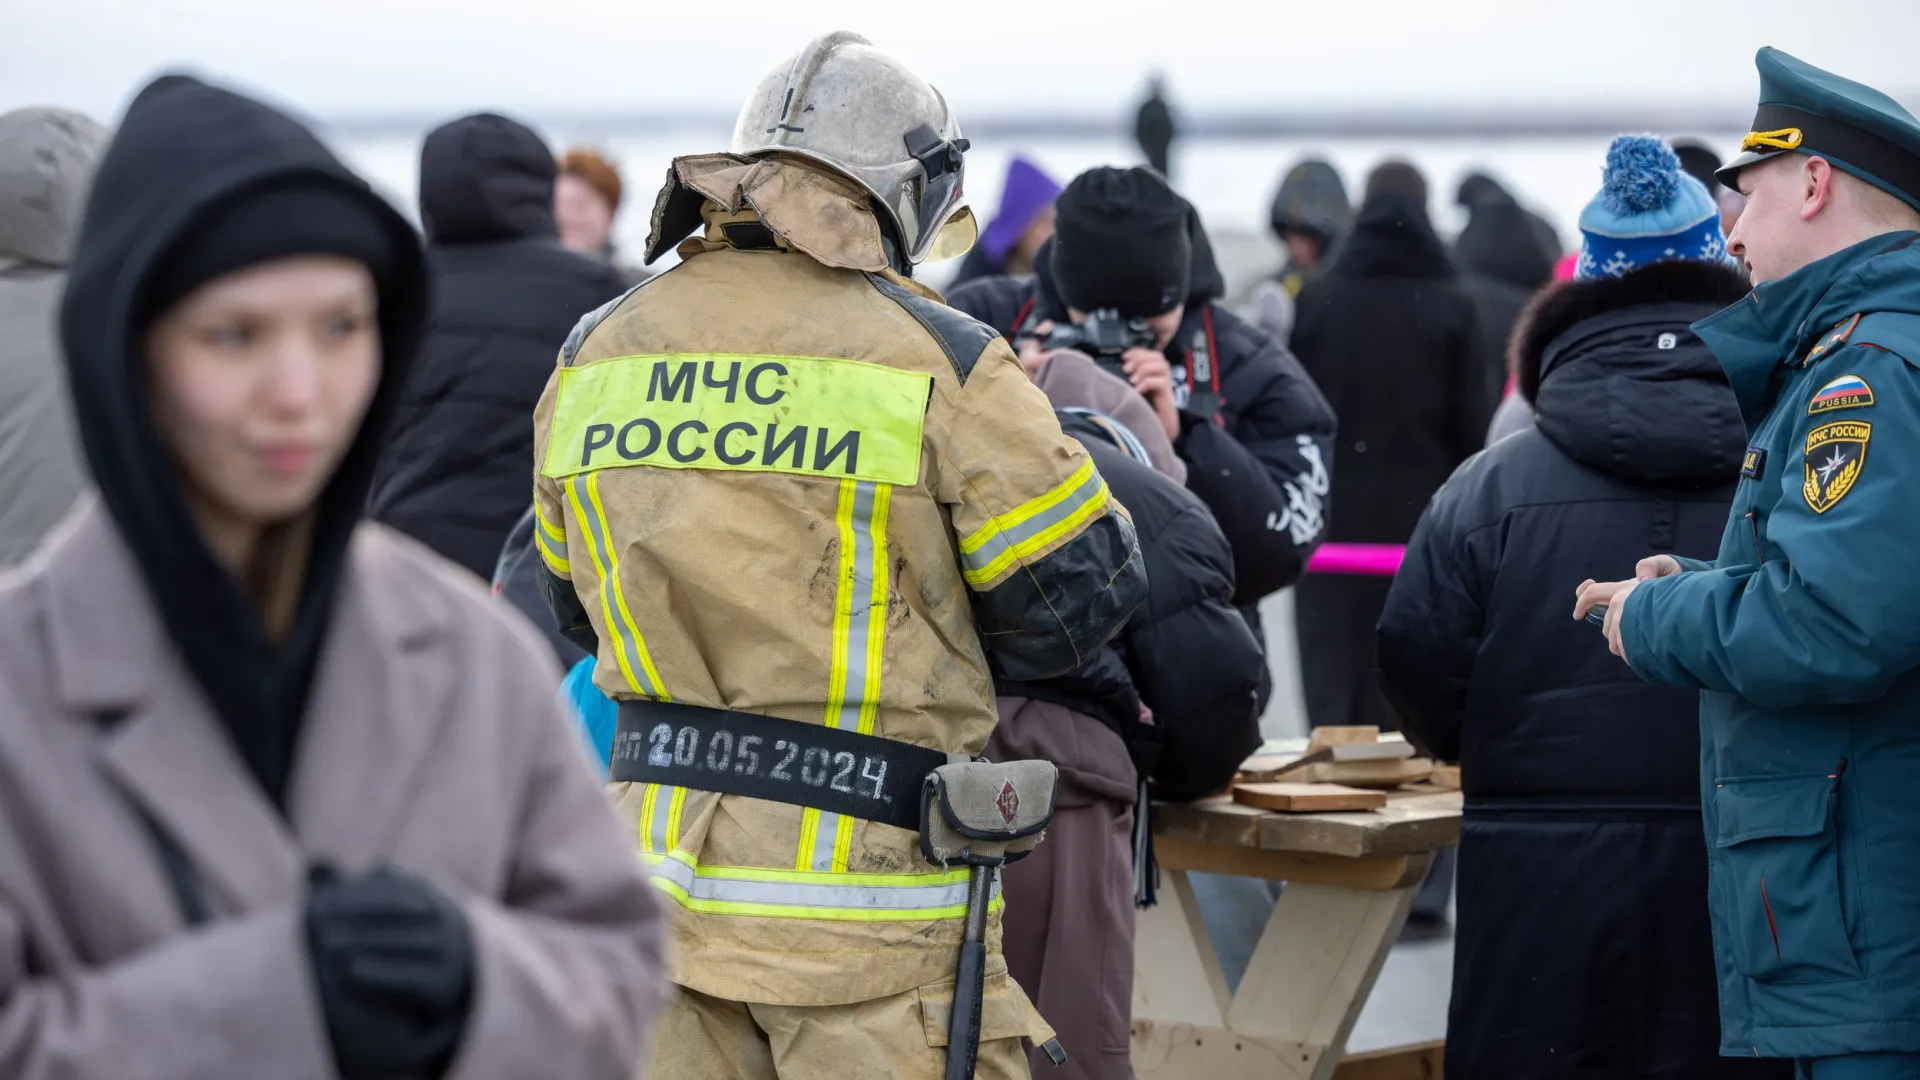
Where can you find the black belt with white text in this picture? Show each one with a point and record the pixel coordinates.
(764, 757)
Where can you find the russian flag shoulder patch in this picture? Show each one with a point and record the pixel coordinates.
(1845, 392)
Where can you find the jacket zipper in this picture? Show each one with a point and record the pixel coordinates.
(1839, 772)
(1753, 526)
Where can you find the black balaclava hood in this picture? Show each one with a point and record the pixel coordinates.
(185, 157)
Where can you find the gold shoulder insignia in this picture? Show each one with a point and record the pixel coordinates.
(1834, 340)
(1835, 455)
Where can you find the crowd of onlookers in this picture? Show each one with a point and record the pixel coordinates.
(1222, 444)
(1518, 410)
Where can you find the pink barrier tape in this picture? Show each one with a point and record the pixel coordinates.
(1373, 560)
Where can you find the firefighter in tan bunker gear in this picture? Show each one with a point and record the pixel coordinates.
(801, 510)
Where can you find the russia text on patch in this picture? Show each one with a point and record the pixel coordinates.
(1845, 392)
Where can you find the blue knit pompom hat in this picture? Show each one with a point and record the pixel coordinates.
(1648, 211)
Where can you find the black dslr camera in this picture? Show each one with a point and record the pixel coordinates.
(1105, 336)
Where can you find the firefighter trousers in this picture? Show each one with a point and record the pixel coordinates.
(903, 1037)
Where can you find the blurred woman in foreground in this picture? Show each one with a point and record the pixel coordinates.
(281, 794)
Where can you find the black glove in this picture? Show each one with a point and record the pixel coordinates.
(393, 962)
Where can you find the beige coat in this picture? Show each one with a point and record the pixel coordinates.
(433, 742)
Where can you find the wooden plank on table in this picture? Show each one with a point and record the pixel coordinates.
(1342, 735)
(1371, 873)
(1379, 751)
(1279, 767)
(1367, 774)
(1445, 777)
(1420, 1061)
(1405, 826)
(1307, 798)
(1410, 823)
(1213, 820)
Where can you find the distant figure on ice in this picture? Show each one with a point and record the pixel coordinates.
(1153, 129)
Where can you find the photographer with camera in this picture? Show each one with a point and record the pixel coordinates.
(1129, 259)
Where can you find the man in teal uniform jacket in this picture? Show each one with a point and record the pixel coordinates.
(1804, 635)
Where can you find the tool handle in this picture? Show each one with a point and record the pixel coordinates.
(963, 1027)
(1597, 615)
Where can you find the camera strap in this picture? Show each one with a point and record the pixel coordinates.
(1020, 321)
(765, 757)
(1202, 397)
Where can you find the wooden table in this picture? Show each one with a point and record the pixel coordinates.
(1351, 879)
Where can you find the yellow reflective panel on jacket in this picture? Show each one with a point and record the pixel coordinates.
(794, 414)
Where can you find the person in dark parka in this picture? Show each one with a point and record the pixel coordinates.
(1254, 430)
(1310, 214)
(1172, 698)
(1390, 335)
(1583, 947)
(505, 296)
(1504, 258)
(1503, 239)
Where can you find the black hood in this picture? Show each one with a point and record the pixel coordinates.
(1589, 357)
(1204, 282)
(1502, 240)
(486, 177)
(1392, 237)
(1313, 199)
(183, 150)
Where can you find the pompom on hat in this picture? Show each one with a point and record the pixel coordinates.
(1648, 211)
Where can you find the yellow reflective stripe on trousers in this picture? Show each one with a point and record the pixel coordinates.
(792, 894)
(552, 542)
(660, 807)
(992, 549)
(859, 632)
(630, 649)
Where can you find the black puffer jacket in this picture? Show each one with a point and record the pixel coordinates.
(1583, 945)
(1187, 652)
(1264, 468)
(458, 471)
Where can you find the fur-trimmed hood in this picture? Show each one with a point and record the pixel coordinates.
(1620, 382)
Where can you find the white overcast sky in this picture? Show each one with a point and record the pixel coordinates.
(351, 58)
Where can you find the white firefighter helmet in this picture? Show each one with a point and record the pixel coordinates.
(865, 115)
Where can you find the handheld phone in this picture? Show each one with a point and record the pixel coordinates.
(1597, 615)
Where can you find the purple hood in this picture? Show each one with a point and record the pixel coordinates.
(1027, 192)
